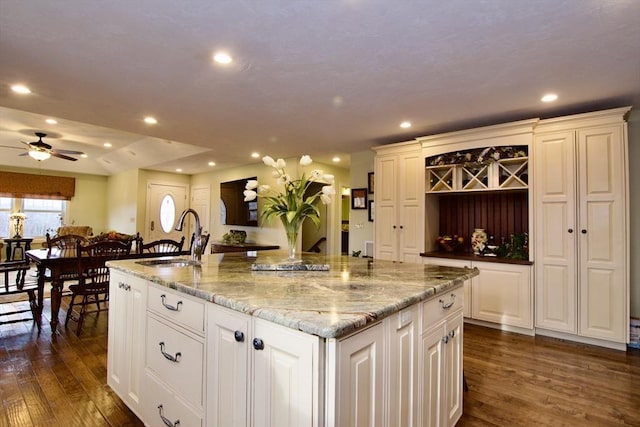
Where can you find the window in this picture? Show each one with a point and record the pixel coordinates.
(43, 215)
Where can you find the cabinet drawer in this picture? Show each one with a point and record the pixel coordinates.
(440, 306)
(173, 409)
(184, 375)
(177, 307)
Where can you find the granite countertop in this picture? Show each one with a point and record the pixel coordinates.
(354, 293)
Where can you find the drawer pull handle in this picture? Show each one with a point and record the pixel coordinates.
(448, 305)
(175, 359)
(239, 336)
(166, 420)
(170, 307)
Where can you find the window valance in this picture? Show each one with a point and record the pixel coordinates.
(31, 186)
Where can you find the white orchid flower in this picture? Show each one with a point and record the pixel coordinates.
(284, 179)
(251, 184)
(268, 160)
(263, 189)
(305, 160)
(276, 174)
(249, 195)
(329, 178)
(280, 164)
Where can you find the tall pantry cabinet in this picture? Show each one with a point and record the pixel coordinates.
(581, 196)
(399, 201)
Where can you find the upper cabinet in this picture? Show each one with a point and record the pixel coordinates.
(399, 201)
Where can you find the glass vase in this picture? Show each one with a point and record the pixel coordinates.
(292, 230)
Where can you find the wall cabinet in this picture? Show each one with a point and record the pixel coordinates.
(399, 197)
(581, 229)
(125, 359)
(504, 174)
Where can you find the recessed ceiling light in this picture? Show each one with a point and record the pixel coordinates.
(549, 97)
(405, 125)
(336, 159)
(178, 170)
(150, 120)
(52, 121)
(84, 156)
(222, 58)
(107, 144)
(21, 89)
(255, 155)
(211, 163)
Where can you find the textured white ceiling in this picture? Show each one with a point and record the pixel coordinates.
(317, 77)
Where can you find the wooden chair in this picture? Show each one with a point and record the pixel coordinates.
(167, 246)
(93, 279)
(67, 245)
(15, 273)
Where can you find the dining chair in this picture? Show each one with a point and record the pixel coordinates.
(93, 279)
(167, 246)
(66, 245)
(15, 283)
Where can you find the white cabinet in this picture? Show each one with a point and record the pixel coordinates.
(261, 371)
(399, 198)
(502, 293)
(174, 362)
(127, 318)
(448, 262)
(440, 380)
(581, 229)
(358, 378)
(403, 331)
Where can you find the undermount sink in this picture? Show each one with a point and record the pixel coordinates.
(167, 263)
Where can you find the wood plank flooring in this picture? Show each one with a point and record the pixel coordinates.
(514, 380)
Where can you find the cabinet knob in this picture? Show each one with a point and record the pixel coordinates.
(570, 230)
(583, 231)
(258, 344)
(401, 227)
(445, 339)
(452, 333)
(394, 227)
(239, 336)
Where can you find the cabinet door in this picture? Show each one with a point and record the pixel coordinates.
(410, 189)
(453, 370)
(602, 238)
(502, 294)
(386, 208)
(555, 231)
(228, 339)
(402, 398)
(127, 329)
(285, 376)
(359, 397)
(431, 384)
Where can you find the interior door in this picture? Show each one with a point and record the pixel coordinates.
(165, 203)
(200, 202)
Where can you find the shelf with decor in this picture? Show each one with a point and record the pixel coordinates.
(481, 169)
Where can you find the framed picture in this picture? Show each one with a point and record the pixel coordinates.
(372, 207)
(358, 198)
(370, 182)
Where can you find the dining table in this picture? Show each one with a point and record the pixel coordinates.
(57, 265)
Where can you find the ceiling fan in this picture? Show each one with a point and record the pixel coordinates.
(40, 150)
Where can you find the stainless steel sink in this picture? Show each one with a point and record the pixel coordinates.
(167, 263)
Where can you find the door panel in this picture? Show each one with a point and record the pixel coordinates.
(157, 195)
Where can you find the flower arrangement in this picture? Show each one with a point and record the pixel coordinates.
(292, 205)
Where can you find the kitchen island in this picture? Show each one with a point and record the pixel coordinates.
(365, 343)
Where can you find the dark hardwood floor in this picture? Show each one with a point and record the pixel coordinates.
(514, 380)
(517, 380)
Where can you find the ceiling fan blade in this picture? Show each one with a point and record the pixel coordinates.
(10, 146)
(62, 156)
(77, 153)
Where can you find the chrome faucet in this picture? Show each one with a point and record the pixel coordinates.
(196, 248)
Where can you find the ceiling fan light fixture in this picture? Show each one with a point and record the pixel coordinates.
(39, 155)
